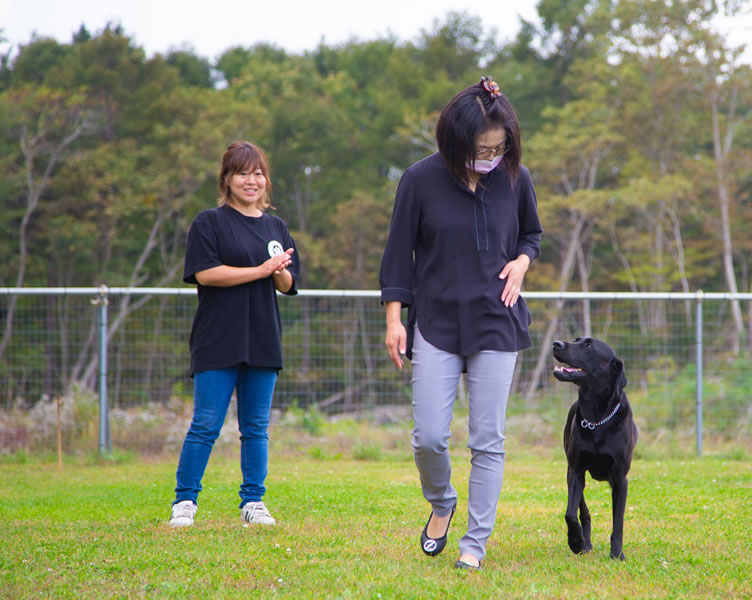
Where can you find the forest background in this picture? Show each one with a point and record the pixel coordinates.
(637, 128)
(636, 120)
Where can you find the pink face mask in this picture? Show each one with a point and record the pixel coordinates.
(484, 166)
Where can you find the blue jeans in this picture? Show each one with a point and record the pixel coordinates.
(212, 391)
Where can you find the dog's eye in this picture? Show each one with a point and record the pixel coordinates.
(588, 344)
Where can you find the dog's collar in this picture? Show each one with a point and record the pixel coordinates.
(585, 424)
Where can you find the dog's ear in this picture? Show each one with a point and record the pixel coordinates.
(618, 377)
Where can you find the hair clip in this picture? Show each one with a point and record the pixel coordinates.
(491, 86)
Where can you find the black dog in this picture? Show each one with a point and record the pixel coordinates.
(600, 435)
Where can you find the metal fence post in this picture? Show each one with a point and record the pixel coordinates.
(104, 420)
(698, 383)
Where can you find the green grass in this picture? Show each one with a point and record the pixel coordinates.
(349, 528)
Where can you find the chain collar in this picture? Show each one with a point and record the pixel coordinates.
(585, 424)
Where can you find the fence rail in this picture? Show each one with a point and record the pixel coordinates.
(122, 353)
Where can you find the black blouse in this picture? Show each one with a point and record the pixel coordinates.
(446, 248)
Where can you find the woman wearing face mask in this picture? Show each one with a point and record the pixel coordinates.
(464, 231)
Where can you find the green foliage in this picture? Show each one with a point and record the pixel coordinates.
(341, 122)
(194, 71)
(727, 389)
(617, 133)
(455, 46)
(319, 453)
(37, 61)
(367, 452)
(19, 457)
(85, 408)
(309, 419)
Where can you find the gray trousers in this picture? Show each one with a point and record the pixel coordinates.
(435, 375)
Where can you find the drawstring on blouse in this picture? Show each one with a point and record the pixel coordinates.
(481, 241)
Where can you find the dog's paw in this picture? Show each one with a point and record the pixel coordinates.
(577, 545)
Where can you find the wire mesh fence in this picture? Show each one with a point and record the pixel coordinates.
(336, 363)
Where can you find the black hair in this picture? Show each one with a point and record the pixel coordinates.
(470, 113)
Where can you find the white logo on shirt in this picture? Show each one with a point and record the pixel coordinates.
(275, 248)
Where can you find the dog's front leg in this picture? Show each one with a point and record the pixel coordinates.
(619, 503)
(585, 520)
(576, 486)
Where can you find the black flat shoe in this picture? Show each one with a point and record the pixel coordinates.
(433, 546)
(461, 564)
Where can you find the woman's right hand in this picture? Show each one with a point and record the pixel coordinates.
(277, 263)
(396, 334)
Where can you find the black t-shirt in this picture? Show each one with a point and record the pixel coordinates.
(446, 248)
(238, 324)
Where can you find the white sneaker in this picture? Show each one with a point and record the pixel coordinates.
(183, 513)
(256, 513)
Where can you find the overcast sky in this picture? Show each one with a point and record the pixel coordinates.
(213, 27)
(210, 28)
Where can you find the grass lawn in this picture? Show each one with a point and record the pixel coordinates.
(349, 528)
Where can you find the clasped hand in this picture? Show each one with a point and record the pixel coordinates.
(278, 263)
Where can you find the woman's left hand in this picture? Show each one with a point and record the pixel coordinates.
(514, 272)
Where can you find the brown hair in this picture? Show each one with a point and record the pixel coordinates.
(243, 156)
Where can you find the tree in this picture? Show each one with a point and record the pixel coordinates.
(45, 123)
(455, 46)
(567, 35)
(195, 71)
(37, 61)
(567, 156)
(729, 89)
(236, 61)
(182, 159)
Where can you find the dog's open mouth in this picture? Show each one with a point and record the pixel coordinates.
(565, 372)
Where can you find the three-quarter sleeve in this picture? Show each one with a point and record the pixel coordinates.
(396, 273)
(529, 239)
